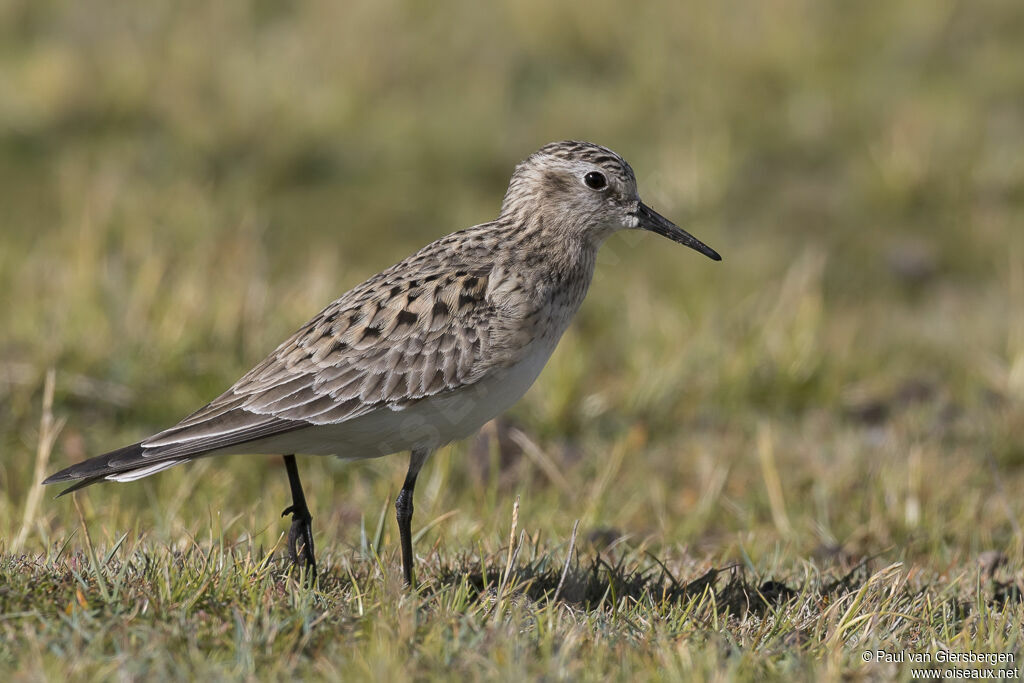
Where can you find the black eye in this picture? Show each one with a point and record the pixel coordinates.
(595, 181)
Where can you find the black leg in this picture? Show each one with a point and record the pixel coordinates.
(300, 536)
(403, 508)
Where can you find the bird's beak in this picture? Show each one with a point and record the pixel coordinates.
(649, 219)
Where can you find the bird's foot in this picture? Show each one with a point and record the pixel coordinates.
(300, 540)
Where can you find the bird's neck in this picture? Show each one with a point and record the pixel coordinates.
(542, 241)
(555, 264)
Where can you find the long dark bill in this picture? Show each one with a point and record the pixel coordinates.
(655, 222)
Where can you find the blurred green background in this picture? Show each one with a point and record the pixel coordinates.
(182, 184)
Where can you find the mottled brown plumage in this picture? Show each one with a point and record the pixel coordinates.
(429, 349)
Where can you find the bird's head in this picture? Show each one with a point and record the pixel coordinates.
(588, 189)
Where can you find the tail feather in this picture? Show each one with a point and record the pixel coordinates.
(118, 464)
(79, 485)
(152, 455)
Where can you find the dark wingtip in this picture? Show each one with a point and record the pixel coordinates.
(64, 475)
(94, 469)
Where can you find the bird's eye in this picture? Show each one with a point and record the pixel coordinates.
(595, 181)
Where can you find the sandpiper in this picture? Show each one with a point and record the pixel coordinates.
(423, 353)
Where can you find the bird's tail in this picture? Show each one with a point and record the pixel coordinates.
(124, 464)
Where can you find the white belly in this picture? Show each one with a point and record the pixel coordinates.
(428, 423)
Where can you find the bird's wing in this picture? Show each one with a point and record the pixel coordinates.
(424, 327)
(404, 335)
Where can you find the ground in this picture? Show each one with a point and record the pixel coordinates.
(803, 462)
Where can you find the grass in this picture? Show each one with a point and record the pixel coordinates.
(778, 462)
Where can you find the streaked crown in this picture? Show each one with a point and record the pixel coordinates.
(572, 186)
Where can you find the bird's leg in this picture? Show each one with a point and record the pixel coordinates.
(403, 508)
(300, 536)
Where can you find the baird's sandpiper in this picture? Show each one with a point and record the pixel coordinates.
(425, 352)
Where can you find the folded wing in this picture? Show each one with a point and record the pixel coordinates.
(402, 336)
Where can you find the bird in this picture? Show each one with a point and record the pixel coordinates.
(423, 353)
